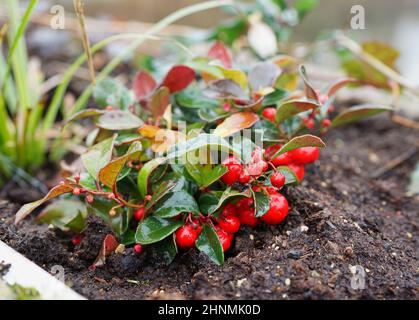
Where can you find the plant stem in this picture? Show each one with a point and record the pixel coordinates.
(356, 49)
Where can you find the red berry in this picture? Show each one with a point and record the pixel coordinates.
(244, 204)
(298, 170)
(282, 160)
(305, 155)
(224, 237)
(186, 236)
(278, 180)
(244, 177)
(326, 123)
(229, 161)
(139, 214)
(230, 224)
(89, 198)
(309, 123)
(278, 210)
(269, 113)
(247, 217)
(76, 191)
(232, 175)
(229, 210)
(76, 239)
(138, 248)
(271, 190)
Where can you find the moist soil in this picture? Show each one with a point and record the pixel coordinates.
(339, 217)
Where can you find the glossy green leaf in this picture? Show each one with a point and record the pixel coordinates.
(291, 108)
(290, 177)
(98, 156)
(358, 113)
(307, 140)
(119, 120)
(192, 97)
(65, 215)
(274, 97)
(154, 229)
(262, 205)
(165, 250)
(174, 203)
(209, 243)
(208, 201)
(205, 175)
(143, 175)
(229, 194)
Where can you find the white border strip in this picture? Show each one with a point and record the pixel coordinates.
(28, 274)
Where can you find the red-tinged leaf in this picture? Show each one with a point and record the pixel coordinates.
(225, 89)
(307, 140)
(235, 123)
(143, 85)
(358, 113)
(108, 175)
(145, 172)
(292, 108)
(220, 52)
(25, 210)
(109, 245)
(159, 102)
(308, 88)
(263, 75)
(334, 88)
(178, 78)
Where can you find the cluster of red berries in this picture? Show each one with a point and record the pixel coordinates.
(270, 113)
(295, 159)
(235, 172)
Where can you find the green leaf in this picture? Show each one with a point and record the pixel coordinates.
(205, 175)
(208, 201)
(108, 175)
(203, 65)
(209, 243)
(292, 108)
(143, 175)
(229, 31)
(165, 250)
(119, 120)
(192, 97)
(211, 141)
(261, 203)
(305, 6)
(174, 203)
(162, 189)
(154, 229)
(307, 140)
(98, 156)
(290, 177)
(269, 131)
(65, 215)
(85, 114)
(358, 113)
(109, 92)
(274, 97)
(229, 194)
(118, 223)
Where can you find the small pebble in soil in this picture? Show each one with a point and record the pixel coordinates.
(287, 282)
(294, 254)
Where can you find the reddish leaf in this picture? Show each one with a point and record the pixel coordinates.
(143, 85)
(219, 51)
(178, 78)
(263, 75)
(235, 123)
(339, 85)
(109, 245)
(308, 89)
(159, 102)
(357, 113)
(29, 207)
(225, 89)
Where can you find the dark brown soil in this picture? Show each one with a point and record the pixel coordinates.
(339, 217)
